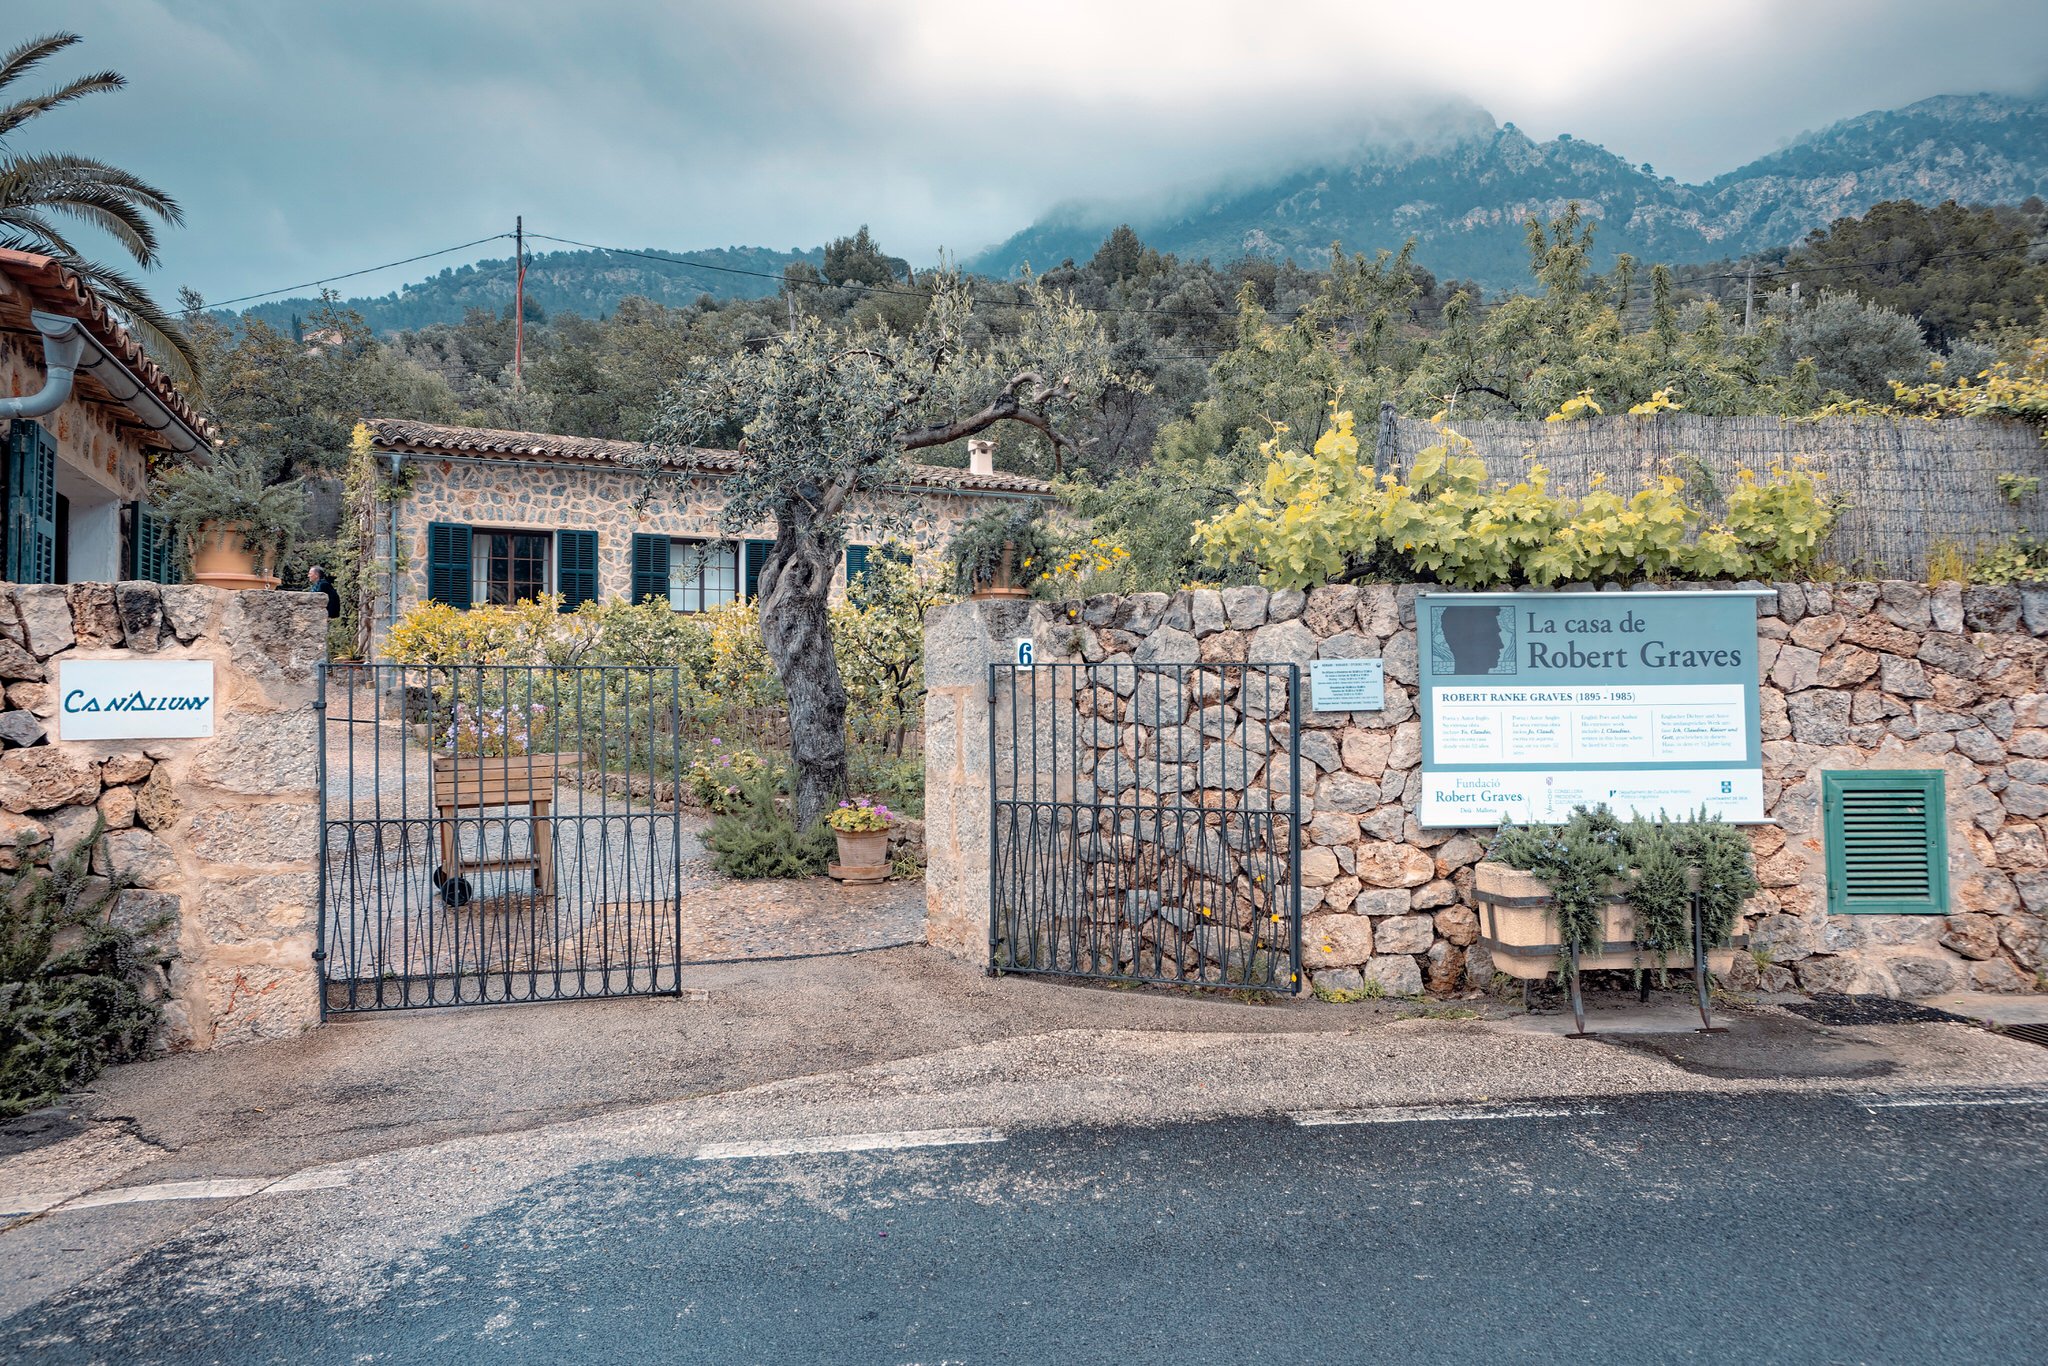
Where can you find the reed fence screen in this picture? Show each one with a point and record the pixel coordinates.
(1908, 485)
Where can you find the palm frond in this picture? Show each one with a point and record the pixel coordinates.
(25, 57)
(159, 332)
(21, 111)
(26, 229)
(105, 196)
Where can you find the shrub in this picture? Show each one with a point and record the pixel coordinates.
(976, 549)
(72, 980)
(758, 838)
(715, 779)
(1325, 515)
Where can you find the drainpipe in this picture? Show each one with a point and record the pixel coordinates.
(63, 349)
(392, 577)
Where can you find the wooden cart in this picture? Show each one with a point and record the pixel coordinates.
(472, 782)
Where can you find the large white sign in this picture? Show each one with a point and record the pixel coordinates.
(134, 699)
(1535, 703)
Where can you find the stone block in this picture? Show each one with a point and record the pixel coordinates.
(1166, 645)
(1904, 604)
(1818, 633)
(1348, 645)
(1446, 968)
(1945, 606)
(1795, 669)
(117, 807)
(1845, 666)
(1205, 612)
(1335, 941)
(141, 609)
(1430, 895)
(116, 769)
(96, 617)
(1318, 866)
(268, 833)
(1337, 979)
(1458, 924)
(1380, 901)
(1923, 974)
(1283, 642)
(1819, 717)
(1285, 604)
(1971, 934)
(1331, 608)
(1383, 863)
(21, 729)
(1404, 934)
(252, 1001)
(259, 909)
(137, 855)
(189, 609)
(1991, 607)
(1459, 851)
(46, 777)
(156, 801)
(18, 665)
(1400, 656)
(1245, 606)
(46, 618)
(1397, 975)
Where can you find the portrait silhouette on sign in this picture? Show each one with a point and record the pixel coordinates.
(1473, 640)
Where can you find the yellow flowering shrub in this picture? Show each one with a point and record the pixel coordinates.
(1324, 515)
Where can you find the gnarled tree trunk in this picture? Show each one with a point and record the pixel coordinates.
(796, 588)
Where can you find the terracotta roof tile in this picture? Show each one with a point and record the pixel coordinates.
(52, 286)
(404, 434)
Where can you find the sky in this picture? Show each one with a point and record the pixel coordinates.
(309, 137)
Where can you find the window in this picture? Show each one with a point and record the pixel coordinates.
(508, 566)
(703, 574)
(1887, 842)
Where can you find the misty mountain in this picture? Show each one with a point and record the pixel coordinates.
(588, 283)
(1464, 200)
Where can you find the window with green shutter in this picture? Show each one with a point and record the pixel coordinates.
(31, 504)
(650, 567)
(448, 563)
(856, 562)
(1887, 842)
(756, 559)
(152, 547)
(576, 568)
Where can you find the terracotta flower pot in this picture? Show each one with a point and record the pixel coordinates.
(221, 558)
(1006, 574)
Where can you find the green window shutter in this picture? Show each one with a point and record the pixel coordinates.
(31, 504)
(650, 567)
(152, 554)
(1887, 842)
(756, 558)
(448, 580)
(856, 562)
(576, 568)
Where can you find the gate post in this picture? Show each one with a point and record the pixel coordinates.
(961, 641)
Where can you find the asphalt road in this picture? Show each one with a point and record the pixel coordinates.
(1752, 1227)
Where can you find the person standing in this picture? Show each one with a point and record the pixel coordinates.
(317, 581)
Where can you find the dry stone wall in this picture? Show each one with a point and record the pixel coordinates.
(219, 834)
(1890, 675)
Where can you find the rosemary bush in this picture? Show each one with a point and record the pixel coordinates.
(231, 492)
(72, 980)
(976, 550)
(1594, 858)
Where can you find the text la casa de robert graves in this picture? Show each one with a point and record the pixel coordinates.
(1534, 703)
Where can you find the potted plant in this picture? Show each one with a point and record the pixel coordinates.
(234, 527)
(862, 828)
(1000, 554)
(1620, 893)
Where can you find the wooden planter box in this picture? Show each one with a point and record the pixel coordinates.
(1517, 924)
(470, 782)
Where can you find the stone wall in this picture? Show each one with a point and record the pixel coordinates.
(1890, 675)
(220, 834)
(504, 494)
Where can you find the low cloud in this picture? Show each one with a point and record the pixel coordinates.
(305, 140)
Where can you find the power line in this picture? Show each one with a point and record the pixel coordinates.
(348, 275)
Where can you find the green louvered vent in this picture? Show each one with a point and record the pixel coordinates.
(1887, 842)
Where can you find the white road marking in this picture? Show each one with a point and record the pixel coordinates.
(1423, 1114)
(1923, 1100)
(848, 1143)
(219, 1188)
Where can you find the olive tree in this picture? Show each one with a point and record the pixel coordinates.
(824, 416)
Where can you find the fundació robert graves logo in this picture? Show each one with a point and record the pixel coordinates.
(1472, 640)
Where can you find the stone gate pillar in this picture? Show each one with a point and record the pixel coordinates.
(960, 641)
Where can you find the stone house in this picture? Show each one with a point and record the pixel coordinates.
(86, 412)
(495, 517)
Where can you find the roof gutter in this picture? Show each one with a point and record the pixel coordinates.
(68, 350)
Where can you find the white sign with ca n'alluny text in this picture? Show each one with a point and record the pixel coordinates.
(134, 699)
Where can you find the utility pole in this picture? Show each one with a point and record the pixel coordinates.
(1749, 299)
(519, 305)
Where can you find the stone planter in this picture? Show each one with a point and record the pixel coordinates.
(221, 558)
(1518, 925)
(863, 855)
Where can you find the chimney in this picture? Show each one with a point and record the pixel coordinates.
(981, 456)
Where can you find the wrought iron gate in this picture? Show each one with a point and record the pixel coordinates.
(495, 833)
(1145, 822)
